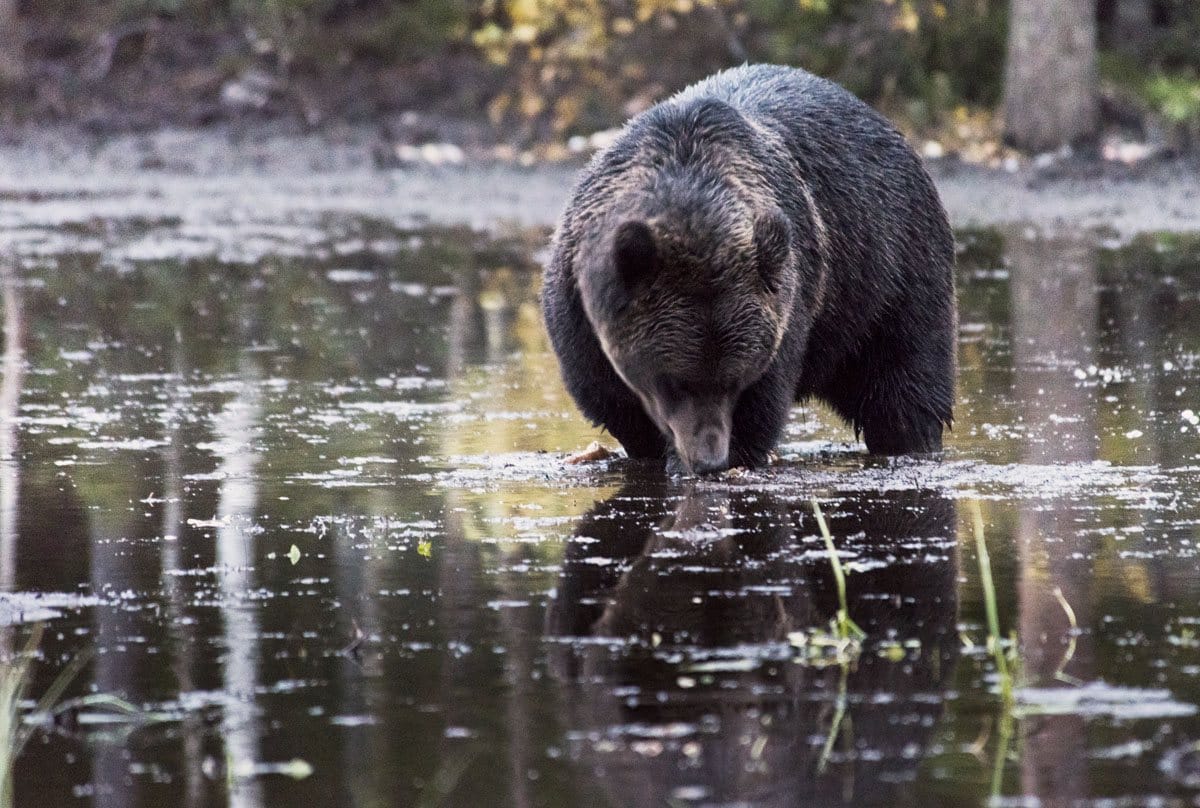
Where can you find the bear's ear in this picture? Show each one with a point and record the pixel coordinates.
(634, 251)
(772, 243)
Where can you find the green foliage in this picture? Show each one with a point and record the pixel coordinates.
(16, 675)
(322, 33)
(409, 31)
(1171, 94)
(1176, 47)
(316, 31)
(995, 638)
(542, 70)
(844, 625)
(572, 66)
(569, 60)
(1176, 97)
(940, 51)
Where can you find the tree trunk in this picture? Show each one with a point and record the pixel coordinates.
(10, 43)
(1050, 92)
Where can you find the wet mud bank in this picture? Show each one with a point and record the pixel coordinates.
(205, 177)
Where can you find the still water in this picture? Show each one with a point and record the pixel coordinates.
(296, 529)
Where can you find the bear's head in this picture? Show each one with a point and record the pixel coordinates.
(689, 292)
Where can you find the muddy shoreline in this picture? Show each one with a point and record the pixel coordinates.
(207, 177)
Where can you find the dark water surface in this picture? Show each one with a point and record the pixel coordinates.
(301, 513)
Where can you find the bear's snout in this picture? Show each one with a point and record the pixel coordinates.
(701, 435)
(711, 452)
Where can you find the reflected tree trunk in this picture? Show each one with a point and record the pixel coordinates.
(520, 635)
(117, 668)
(12, 365)
(1143, 314)
(459, 572)
(12, 64)
(361, 680)
(1054, 309)
(237, 428)
(465, 327)
(181, 631)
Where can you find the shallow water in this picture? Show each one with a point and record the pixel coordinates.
(298, 498)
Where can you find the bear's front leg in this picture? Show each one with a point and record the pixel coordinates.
(640, 439)
(759, 419)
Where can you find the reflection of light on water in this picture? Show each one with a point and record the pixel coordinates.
(237, 428)
(184, 635)
(420, 439)
(13, 364)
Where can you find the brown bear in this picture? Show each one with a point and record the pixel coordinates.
(760, 238)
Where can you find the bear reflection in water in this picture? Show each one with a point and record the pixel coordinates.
(701, 699)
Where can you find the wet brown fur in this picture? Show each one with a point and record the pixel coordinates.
(850, 299)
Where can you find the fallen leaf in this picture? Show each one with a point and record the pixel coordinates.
(593, 453)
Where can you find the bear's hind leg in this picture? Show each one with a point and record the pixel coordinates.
(909, 400)
(899, 393)
(895, 425)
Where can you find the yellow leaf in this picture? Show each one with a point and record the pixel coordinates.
(523, 11)
(524, 33)
(907, 19)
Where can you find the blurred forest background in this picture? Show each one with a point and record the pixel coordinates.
(966, 74)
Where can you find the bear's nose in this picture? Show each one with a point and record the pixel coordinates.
(700, 429)
(711, 451)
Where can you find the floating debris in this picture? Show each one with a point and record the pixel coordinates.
(594, 452)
